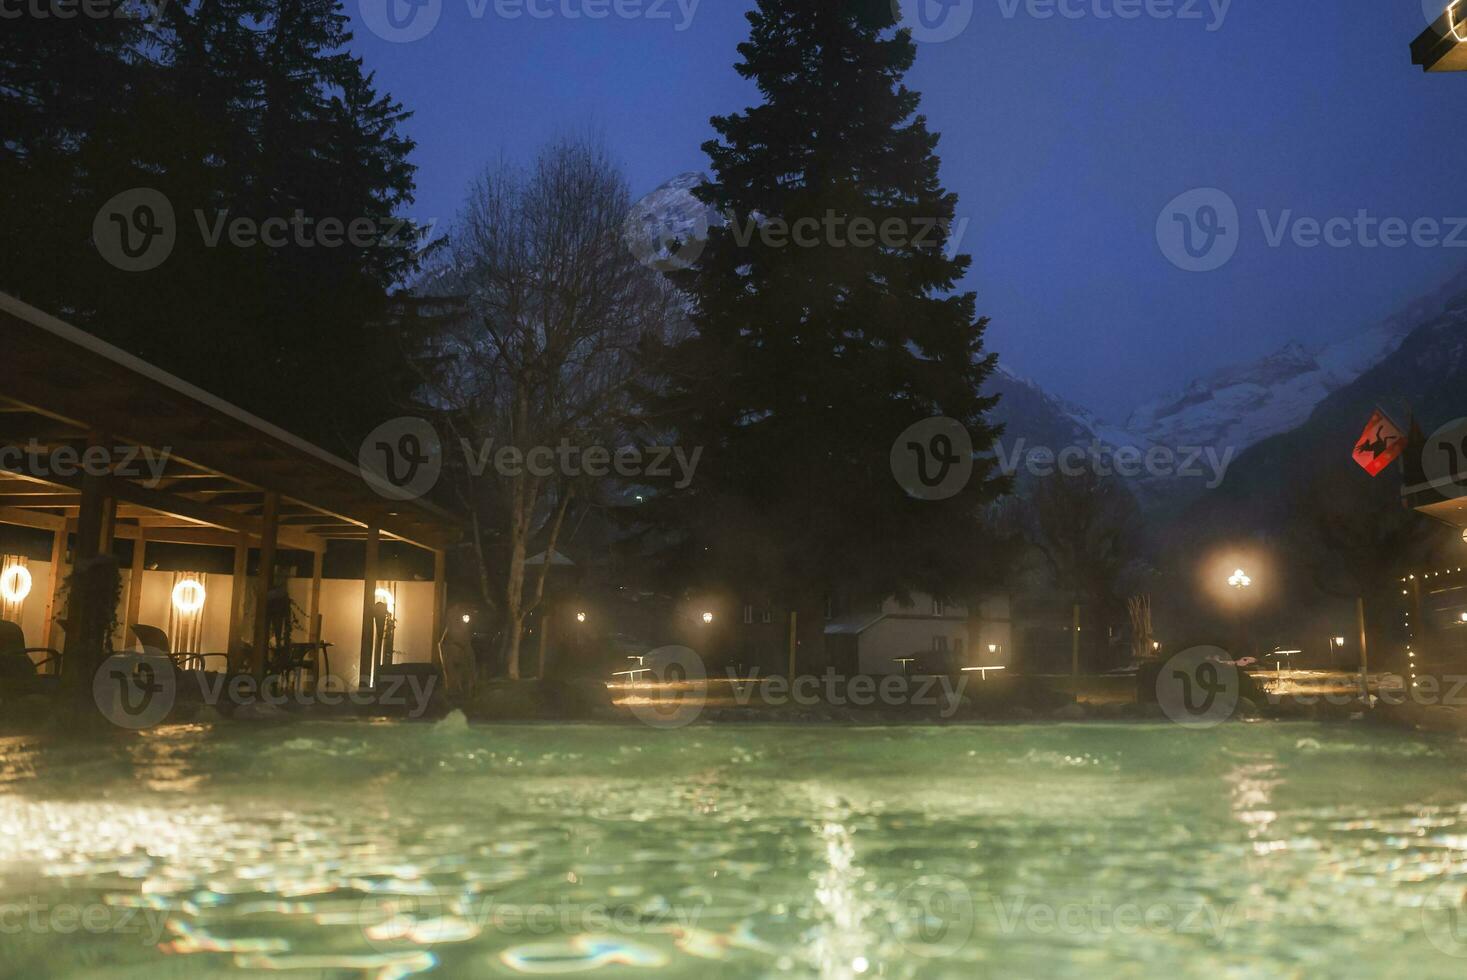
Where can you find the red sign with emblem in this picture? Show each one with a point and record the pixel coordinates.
(1380, 444)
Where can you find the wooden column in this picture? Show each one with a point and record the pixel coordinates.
(264, 582)
(440, 605)
(58, 572)
(90, 516)
(318, 562)
(237, 596)
(135, 582)
(369, 599)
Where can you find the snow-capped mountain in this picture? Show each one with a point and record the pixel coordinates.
(668, 228)
(1241, 405)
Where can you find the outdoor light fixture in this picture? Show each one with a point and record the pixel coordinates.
(1464, 535)
(1239, 579)
(580, 617)
(993, 648)
(1440, 47)
(188, 596)
(15, 584)
(707, 617)
(385, 597)
(466, 617)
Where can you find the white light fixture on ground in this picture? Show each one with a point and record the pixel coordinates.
(188, 596)
(15, 584)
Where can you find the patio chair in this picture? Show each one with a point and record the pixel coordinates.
(152, 638)
(15, 657)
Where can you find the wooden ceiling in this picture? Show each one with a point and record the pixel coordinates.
(211, 463)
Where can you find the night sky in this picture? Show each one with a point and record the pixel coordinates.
(1065, 139)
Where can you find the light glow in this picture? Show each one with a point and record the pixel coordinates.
(15, 584)
(580, 617)
(707, 617)
(188, 596)
(1239, 579)
(385, 597)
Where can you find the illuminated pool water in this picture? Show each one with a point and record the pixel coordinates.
(341, 850)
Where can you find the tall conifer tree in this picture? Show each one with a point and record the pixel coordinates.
(807, 362)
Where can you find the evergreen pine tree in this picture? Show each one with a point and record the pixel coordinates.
(805, 363)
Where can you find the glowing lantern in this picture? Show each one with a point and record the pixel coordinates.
(15, 584)
(188, 596)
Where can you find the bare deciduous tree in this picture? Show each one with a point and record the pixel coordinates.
(540, 358)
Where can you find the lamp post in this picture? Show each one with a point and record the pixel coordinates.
(1241, 582)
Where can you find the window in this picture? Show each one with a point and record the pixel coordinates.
(939, 644)
(748, 614)
(937, 607)
(766, 616)
(958, 646)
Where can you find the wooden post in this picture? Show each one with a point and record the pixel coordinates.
(794, 644)
(135, 581)
(237, 596)
(264, 582)
(1075, 655)
(440, 606)
(89, 519)
(58, 562)
(365, 665)
(1364, 653)
(318, 562)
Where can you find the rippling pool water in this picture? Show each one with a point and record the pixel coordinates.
(387, 850)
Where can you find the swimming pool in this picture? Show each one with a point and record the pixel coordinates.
(389, 850)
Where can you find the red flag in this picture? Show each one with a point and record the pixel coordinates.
(1380, 444)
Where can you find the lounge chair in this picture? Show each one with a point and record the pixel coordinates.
(154, 639)
(16, 664)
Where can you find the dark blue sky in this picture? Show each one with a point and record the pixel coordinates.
(1065, 139)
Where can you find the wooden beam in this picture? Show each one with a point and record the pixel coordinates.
(440, 605)
(32, 518)
(58, 567)
(135, 582)
(264, 582)
(317, 567)
(369, 600)
(238, 593)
